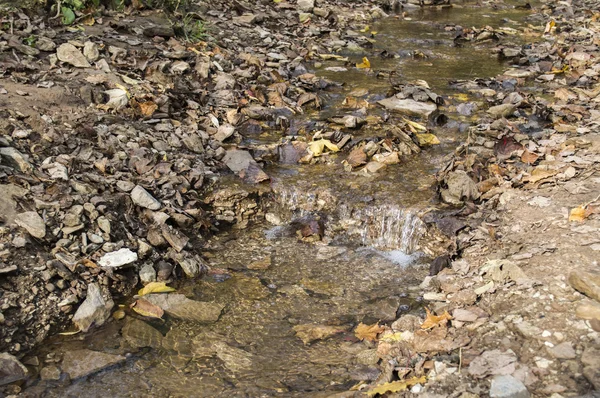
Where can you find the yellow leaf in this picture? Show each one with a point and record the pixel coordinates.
(70, 333)
(368, 332)
(392, 338)
(155, 287)
(396, 386)
(317, 147)
(146, 308)
(579, 214)
(549, 26)
(365, 64)
(434, 320)
(365, 29)
(416, 125)
(462, 97)
(373, 32)
(427, 139)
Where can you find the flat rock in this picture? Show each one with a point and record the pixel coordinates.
(139, 334)
(142, 198)
(506, 386)
(587, 283)
(179, 306)
(562, 351)
(238, 160)
(8, 204)
(312, 332)
(15, 159)
(223, 132)
(118, 258)
(32, 223)
(69, 54)
(502, 110)
(408, 106)
(11, 369)
(176, 239)
(464, 315)
(588, 311)
(235, 359)
(81, 363)
(94, 310)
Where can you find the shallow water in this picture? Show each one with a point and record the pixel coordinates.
(372, 275)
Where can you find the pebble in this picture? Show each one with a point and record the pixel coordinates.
(562, 351)
(142, 198)
(118, 258)
(506, 386)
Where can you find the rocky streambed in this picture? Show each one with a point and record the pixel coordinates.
(307, 199)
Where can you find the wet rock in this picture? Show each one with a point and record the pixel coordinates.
(408, 106)
(291, 152)
(587, 283)
(15, 159)
(32, 223)
(142, 198)
(312, 332)
(118, 258)
(235, 359)
(438, 264)
(11, 369)
(460, 188)
(502, 110)
(506, 386)
(179, 306)
(51, 372)
(81, 363)
(94, 311)
(138, 334)
(191, 265)
(69, 54)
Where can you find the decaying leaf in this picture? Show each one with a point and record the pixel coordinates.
(146, 308)
(155, 287)
(368, 332)
(435, 320)
(317, 147)
(396, 386)
(148, 108)
(415, 125)
(539, 174)
(427, 139)
(365, 64)
(528, 157)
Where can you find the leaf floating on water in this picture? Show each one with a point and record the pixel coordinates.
(317, 147)
(365, 64)
(435, 320)
(155, 287)
(396, 386)
(146, 308)
(368, 332)
(427, 139)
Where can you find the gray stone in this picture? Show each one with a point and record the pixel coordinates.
(90, 51)
(142, 198)
(81, 363)
(16, 160)
(11, 369)
(94, 310)
(69, 54)
(118, 258)
(562, 351)
(223, 132)
(179, 306)
(125, 186)
(306, 5)
(238, 160)
(51, 372)
(506, 386)
(502, 110)
(32, 223)
(464, 315)
(139, 334)
(147, 273)
(408, 106)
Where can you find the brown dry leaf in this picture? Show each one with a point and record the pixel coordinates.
(89, 263)
(252, 60)
(528, 157)
(146, 308)
(155, 287)
(355, 103)
(148, 108)
(578, 214)
(368, 332)
(539, 174)
(308, 97)
(396, 386)
(435, 320)
(357, 157)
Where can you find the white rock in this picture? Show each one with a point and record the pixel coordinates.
(118, 258)
(33, 223)
(142, 198)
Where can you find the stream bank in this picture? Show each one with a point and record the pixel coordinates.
(288, 310)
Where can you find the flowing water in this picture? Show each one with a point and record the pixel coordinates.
(270, 282)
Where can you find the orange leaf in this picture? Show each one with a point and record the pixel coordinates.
(435, 320)
(368, 332)
(528, 157)
(146, 308)
(578, 214)
(148, 108)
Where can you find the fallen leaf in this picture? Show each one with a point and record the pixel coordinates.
(539, 174)
(549, 26)
(427, 139)
(148, 108)
(117, 99)
(317, 147)
(365, 29)
(155, 287)
(415, 125)
(146, 308)
(528, 157)
(396, 386)
(368, 332)
(365, 64)
(578, 214)
(435, 320)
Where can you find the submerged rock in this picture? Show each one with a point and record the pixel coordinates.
(94, 310)
(81, 363)
(11, 369)
(408, 106)
(139, 334)
(179, 306)
(235, 359)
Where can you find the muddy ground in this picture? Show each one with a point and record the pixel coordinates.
(125, 147)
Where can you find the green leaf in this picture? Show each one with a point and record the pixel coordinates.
(68, 16)
(77, 4)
